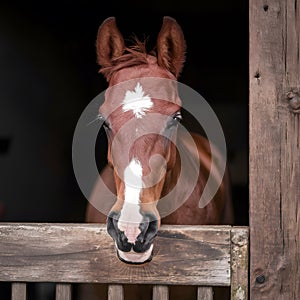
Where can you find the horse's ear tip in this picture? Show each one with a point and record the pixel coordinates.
(109, 19)
(169, 19)
(112, 18)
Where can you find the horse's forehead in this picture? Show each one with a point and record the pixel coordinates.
(143, 93)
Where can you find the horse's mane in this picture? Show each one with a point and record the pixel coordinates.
(132, 56)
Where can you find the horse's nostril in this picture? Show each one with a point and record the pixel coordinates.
(136, 237)
(146, 237)
(118, 236)
(123, 237)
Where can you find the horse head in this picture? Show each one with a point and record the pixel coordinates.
(141, 127)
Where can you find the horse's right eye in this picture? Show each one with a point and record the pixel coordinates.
(106, 125)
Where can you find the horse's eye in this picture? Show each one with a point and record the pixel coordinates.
(176, 118)
(105, 124)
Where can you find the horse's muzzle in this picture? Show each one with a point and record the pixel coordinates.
(140, 250)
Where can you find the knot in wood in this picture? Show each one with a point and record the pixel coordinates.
(294, 100)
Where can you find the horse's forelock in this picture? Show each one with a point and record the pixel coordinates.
(134, 55)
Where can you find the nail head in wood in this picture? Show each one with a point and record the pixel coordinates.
(266, 7)
(260, 279)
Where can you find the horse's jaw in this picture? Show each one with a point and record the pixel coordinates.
(133, 257)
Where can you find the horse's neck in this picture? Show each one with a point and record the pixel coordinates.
(186, 175)
(194, 152)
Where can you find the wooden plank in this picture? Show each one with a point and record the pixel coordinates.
(274, 149)
(160, 292)
(191, 255)
(63, 291)
(239, 263)
(18, 291)
(205, 293)
(115, 292)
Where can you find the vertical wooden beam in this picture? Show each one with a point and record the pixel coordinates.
(274, 149)
(239, 263)
(115, 292)
(18, 291)
(160, 292)
(205, 293)
(63, 291)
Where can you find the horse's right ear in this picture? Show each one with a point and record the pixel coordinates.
(110, 43)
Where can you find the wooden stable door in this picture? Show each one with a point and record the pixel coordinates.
(274, 149)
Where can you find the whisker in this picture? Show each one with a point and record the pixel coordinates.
(98, 117)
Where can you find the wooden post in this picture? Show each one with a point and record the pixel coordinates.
(18, 291)
(205, 293)
(239, 263)
(115, 292)
(63, 291)
(160, 292)
(274, 149)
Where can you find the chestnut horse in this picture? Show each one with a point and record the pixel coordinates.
(143, 162)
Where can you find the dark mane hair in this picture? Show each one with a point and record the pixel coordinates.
(132, 56)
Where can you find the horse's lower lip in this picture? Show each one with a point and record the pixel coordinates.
(134, 257)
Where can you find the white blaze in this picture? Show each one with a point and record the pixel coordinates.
(130, 217)
(137, 101)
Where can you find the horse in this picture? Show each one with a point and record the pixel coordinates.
(143, 159)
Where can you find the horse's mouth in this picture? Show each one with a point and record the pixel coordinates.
(135, 258)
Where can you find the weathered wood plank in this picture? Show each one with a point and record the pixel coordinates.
(239, 263)
(18, 291)
(191, 255)
(160, 292)
(274, 149)
(63, 291)
(115, 292)
(205, 293)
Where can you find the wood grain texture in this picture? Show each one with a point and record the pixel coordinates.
(160, 292)
(274, 150)
(191, 255)
(18, 291)
(63, 291)
(239, 264)
(205, 293)
(115, 292)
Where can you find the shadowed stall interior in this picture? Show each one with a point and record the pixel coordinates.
(49, 74)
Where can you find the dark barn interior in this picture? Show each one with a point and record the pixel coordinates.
(49, 74)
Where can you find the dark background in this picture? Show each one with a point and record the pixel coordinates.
(48, 75)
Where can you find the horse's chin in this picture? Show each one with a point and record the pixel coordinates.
(132, 257)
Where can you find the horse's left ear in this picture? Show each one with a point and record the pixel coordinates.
(171, 46)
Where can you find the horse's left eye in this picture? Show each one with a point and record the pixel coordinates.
(176, 118)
